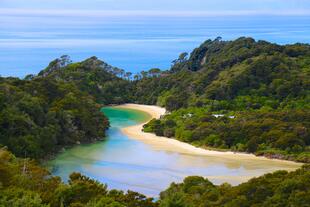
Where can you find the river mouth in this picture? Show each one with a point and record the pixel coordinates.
(128, 164)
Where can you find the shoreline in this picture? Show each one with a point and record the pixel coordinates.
(175, 146)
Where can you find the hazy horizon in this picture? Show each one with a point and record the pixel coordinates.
(136, 35)
(163, 5)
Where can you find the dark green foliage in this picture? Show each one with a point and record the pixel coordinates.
(41, 116)
(226, 70)
(241, 95)
(265, 86)
(93, 76)
(282, 134)
(275, 189)
(23, 183)
(258, 82)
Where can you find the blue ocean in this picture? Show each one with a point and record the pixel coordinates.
(134, 43)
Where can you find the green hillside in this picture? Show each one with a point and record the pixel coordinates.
(242, 95)
(107, 84)
(263, 86)
(41, 116)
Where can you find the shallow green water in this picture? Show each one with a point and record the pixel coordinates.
(124, 163)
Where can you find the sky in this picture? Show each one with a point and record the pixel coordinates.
(284, 7)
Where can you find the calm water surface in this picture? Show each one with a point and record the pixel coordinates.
(134, 43)
(124, 163)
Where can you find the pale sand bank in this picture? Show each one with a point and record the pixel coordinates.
(173, 145)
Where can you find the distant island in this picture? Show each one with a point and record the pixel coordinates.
(241, 96)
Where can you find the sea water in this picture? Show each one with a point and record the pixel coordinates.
(127, 164)
(134, 43)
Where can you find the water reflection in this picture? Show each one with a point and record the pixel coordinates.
(124, 163)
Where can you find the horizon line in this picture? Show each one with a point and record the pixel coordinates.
(181, 13)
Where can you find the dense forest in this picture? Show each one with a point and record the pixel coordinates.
(25, 184)
(242, 95)
(259, 73)
(41, 116)
(59, 107)
(274, 189)
(107, 84)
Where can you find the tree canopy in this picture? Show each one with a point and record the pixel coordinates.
(242, 95)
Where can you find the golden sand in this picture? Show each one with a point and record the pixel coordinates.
(173, 145)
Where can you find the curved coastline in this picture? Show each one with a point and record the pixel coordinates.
(176, 146)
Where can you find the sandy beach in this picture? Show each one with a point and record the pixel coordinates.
(173, 145)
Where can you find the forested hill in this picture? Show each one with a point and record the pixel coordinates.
(108, 84)
(242, 95)
(60, 106)
(264, 86)
(226, 70)
(41, 116)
